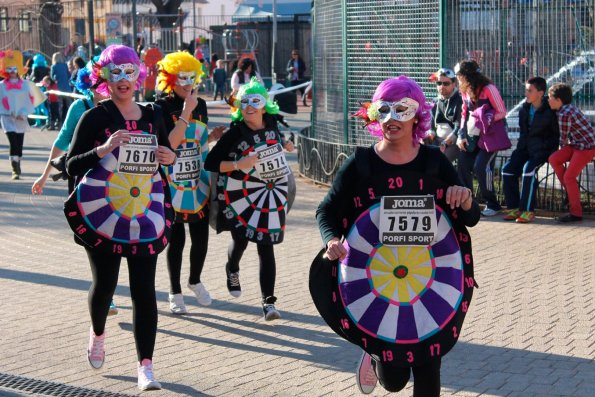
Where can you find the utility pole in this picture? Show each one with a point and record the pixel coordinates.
(274, 46)
(91, 28)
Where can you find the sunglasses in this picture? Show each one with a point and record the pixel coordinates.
(444, 83)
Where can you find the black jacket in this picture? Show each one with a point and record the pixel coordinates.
(301, 69)
(448, 111)
(541, 138)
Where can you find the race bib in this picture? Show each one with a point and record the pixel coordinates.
(407, 220)
(271, 163)
(188, 165)
(138, 156)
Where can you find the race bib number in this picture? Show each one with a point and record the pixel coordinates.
(138, 156)
(188, 165)
(271, 163)
(407, 220)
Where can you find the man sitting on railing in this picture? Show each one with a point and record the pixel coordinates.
(539, 135)
(577, 147)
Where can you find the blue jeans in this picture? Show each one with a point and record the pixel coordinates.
(482, 163)
(521, 165)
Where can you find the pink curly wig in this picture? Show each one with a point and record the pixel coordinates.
(117, 54)
(395, 89)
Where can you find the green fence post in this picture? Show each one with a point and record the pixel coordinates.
(442, 27)
(345, 72)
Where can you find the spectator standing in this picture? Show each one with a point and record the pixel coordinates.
(446, 114)
(40, 68)
(483, 132)
(295, 72)
(219, 79)
(59, 73)
(246, 70)
(53, 103)
(539, 135)
(577, 147)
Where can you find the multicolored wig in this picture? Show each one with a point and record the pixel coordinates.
(9, 59)
(393, 90)
(253, 87)
(117, 54)
(174, 63)
(83, 81)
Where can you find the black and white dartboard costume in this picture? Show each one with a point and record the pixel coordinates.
(403, 304)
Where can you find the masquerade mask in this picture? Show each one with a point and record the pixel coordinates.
(125, 71)
(403, 110)
(12, 69)
(257, 101)
(186, 78)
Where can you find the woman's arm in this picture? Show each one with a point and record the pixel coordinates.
(496, 101)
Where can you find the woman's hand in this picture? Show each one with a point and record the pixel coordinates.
(249, 161)
(117, 139)
(38, 185)
(165, 155)
(190, 103)
(289, 146)
(217, 133)
(459, 196)
(461, 143)
(335, 250)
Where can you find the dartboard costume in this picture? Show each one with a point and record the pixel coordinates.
(122, 213)
(403, 304)
(187, 179)
(250, 207)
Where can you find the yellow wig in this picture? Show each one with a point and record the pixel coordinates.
(11, 58)
(171, 65)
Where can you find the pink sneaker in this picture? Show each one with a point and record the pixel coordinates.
(146, 379)
(365, 376)
(96, 349)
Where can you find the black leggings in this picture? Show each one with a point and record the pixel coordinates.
(15, 141)
(141, 273)
(266, 257)
(426, 378)
(199, 236)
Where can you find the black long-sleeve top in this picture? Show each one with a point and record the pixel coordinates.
(173, 104)
(329, 212)
(93, 130)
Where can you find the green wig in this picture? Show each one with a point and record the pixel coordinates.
(253, 87)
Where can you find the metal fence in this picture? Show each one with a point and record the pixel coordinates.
(358, 44)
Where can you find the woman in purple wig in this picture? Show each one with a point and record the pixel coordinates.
(100, 147)
(400, 117)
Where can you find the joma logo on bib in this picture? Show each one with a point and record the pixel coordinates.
(408, 203)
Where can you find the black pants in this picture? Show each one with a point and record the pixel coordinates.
(482, 163)
(65, 103)
(54, 114)
(15, 142)
(199, 236)
(141, 273)
(266, 258)
(293, 83)
(426, 378)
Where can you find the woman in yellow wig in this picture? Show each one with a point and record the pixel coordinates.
(186, 120)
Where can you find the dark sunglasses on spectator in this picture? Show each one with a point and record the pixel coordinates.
(444, 83)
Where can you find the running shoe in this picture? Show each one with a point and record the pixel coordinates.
(113, 309)
(146, 379)
(268, 308)
(233, 284)
(176, 304)
(202, 295)
(489, 212)
(526, 217)
(365, 377)
(511, 215)
(96, 349)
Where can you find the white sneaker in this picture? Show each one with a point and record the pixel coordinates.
(365, 377)
(96, 349)
(176, 304)
(489, 212)
(146, 379)
(202, 295)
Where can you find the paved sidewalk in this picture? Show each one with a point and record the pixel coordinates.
(530, 330)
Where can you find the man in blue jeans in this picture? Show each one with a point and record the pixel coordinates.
(538, 139)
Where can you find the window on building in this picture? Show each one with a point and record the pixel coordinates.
(3, 19)
(25, 22)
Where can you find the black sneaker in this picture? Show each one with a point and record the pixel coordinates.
(569, 218)
(269, 310)
(233, 284)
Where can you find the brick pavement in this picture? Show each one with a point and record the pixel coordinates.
(530, 330)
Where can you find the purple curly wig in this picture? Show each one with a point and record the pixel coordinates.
(398, 88)
(117, 54)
